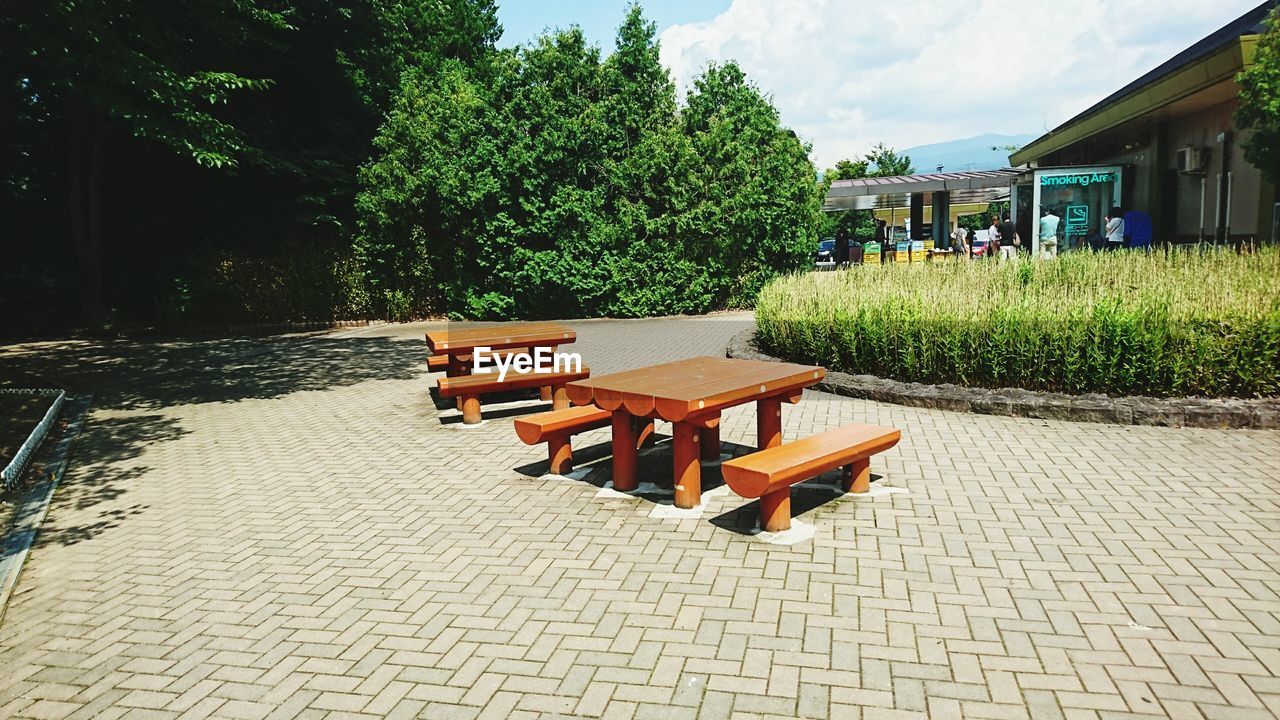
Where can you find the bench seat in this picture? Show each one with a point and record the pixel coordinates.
(470, 387)
(769, 474)
(556, 427)
(440, 363)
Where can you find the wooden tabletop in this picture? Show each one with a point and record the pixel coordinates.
(464, 338)
(693, 387)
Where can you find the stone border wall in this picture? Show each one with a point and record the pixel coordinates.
(1094, 407)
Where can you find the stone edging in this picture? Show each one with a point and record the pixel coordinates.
(1131, 410)
(16, 539)
(9, 476)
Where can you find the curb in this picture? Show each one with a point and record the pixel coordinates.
(1258, 414)
(9, 476)
(19, 538)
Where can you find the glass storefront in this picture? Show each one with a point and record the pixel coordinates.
(1079, 198)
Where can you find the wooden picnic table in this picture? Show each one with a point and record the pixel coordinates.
(458, 340)
(690, 394)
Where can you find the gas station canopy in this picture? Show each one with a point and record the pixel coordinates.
(976, 186)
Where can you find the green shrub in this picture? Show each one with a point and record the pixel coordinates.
(552, 182)
(1164, 324)
(304, 282)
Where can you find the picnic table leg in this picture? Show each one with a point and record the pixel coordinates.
(709, 440)
(559, 398)
(644, 434)
(688, 473)
(768, 423)
(456, 368)
(624, 452)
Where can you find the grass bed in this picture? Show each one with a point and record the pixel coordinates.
(1205, 322)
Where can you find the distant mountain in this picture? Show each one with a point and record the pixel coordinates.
(972, 153)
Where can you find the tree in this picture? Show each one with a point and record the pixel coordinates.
(548, 181)
(1259, 108)
(854, 223)
(168, 135)
(888, 163)
(156, 70)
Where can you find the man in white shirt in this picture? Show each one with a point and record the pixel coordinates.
(1115, 229)
(1048, 233)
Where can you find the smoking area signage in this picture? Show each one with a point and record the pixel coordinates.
(1077, 219)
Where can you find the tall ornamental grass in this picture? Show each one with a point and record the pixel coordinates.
(1205, 322)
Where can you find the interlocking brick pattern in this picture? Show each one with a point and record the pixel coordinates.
(290, 528)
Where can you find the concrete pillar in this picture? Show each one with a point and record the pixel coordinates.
(917, 216)
(941, 219)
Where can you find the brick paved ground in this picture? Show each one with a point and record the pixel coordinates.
(289, 528)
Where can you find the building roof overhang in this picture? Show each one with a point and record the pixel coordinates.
(1206, 65)
(976, 186)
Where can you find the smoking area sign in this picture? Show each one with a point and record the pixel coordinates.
(1077, 219)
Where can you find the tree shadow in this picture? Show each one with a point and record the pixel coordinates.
(100, 474)
(149, 375)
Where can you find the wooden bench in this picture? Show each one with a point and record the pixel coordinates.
(440, 363)
(470, 387)
(556, 427)
(769, 474)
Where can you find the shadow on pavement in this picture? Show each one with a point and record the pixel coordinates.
(150, 375)
(101, 473)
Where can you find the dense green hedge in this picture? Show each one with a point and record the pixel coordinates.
(1165, 324)
(547, 181)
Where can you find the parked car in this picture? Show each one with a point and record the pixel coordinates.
(980, 244)
(826, 252)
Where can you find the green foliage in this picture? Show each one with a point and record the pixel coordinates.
(1164, 324)
(160, 138)
(300, 282)
(546, 181)
(982, 220)
(1259, 109)
(888, 162)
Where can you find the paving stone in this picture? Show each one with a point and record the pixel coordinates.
(288, 527)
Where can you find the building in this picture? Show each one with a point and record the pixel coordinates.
(1164, 144)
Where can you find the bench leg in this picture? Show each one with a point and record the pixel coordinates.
(768, 423)
(709, 440)
(471, 409)
(559, 398)
(644, 435)
(775, 510)
(688, 473)
(560, 454)
(624, 452)
(544, 393)
(857, 476)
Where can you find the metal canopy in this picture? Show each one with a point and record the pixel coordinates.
(977, 186)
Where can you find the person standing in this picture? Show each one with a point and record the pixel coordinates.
(993, 236)
(1114, 229)
(882, 239)
(1048, 234)
(958, 244)
(1009, 240)
(842, 248)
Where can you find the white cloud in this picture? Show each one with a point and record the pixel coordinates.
(847, 75)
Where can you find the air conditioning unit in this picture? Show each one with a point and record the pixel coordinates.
(1189, 160)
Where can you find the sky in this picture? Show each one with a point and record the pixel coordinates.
(846, 74)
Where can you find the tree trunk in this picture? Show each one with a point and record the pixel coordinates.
(85, 150)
